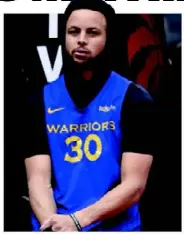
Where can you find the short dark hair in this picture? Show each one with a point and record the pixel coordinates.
(94, 5)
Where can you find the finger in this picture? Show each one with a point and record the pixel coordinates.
(46, 224)
(56, 228)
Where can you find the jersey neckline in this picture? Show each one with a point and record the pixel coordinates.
(85, 109)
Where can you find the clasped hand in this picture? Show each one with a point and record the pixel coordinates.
(59, 223)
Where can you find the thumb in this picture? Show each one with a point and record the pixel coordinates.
(46, 224)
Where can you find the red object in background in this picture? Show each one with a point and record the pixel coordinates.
(145, 37)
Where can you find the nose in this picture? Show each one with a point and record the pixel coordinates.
(82, 39)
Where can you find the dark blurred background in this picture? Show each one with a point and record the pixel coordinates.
(147, 51)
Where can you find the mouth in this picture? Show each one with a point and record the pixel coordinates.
(81, 55)
(81, 52)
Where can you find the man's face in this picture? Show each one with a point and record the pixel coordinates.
(85, 34)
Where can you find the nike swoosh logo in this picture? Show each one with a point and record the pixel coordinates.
(51, 111)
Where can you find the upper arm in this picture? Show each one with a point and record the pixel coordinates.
(136, 167)
(38, 168)
(139, 122)
(34, 134)
(138, 127)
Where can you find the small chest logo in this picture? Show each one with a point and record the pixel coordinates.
(52, 111)
(107, 108)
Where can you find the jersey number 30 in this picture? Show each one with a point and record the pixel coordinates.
(81, 148)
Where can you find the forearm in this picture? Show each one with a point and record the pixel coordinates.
(117, 200)
(41, 199)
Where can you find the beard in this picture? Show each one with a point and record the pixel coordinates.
(97, 64)
(81, 90)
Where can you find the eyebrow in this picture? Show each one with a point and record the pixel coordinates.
(94, 28)
(73, 27)
(90, 28)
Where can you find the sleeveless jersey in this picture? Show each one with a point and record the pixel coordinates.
(86, 150)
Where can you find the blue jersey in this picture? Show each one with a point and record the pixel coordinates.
(86, 150)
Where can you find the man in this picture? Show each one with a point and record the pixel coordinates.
(82, 133)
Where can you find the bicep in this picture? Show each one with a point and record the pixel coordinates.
(139, 123)
(34, 134)
(136, 167)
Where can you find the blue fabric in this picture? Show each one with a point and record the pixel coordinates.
(86, 149)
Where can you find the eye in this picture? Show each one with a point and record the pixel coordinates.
(93, 32)
(72, 32)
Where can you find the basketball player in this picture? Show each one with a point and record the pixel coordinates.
(89, 131)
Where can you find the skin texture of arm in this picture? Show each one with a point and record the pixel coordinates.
(134, 173)
(38, 169)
